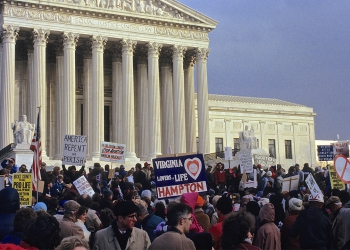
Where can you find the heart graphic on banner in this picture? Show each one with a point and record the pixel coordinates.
(193, 167)
(342, 168)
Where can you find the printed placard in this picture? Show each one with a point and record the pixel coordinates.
(264, 161)
(342, 168)
(23, 184)
(246, 162)
(312, 185)
(325, 153)
(179, 175)
(83, 186)
(228, 154)
(335, 181)
(74, 150)
(113, 152)
(341, 148)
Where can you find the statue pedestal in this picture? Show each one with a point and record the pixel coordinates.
(23, 155)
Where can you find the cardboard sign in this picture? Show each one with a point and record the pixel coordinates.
(342, 168)
(246, 162)
(325, 153)
(228, 154)
(74, 150)
(112, 152)
(341, 148)
(251, 183)
(336, 183)
(290, 183)
(111, 173)
(23, 184)
(264, 161)
(83, 186)
(179, 175)
(312, 185)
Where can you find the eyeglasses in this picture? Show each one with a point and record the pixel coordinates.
(191, 219)
(132, 216)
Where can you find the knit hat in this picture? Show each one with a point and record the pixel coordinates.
(107, 193)
(124, 208)
(146, 193)
(316, 198)
(71, 206)
(333, 199)
(296, 204)
(200, 201)
(269, 173)
(40, 206)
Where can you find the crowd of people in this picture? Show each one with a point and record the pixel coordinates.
(125, 213)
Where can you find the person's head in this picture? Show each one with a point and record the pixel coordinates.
(43, 232)
(60, 179)
(106, 168)
(269, 184)
(236, 228)
(56, 169)
(107, 194)
(253, 208)
(297, 167)
(333, 203)
(43, 165)
(179, 216)
(40, 206)
(142, 213)
(138, 167)
(315, 200)
(10, 162)
(73, 169)
(85, 200)
(220, 166)
(106, 217)
(71, 208)
(147, 165)
(224, 205)
(82, 213)
(73, 243)
(22, 217)
(126, 214)
(306, 165)
(9, 198)
(344, 196)
(295, 205)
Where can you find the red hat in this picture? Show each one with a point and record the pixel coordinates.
(259, 166)
(146, 164)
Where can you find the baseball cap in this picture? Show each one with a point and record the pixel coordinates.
(316, 198)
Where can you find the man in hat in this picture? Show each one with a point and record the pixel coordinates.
(122, 234)
(334, 205)
(139, 176)
(147, 170)
(10, 164)
(72, 172)
(67, 224)
(312, 226)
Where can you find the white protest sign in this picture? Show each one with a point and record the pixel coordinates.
(264, 161)
(113, 152)
(312, 185)
(246, 162)
(342, 168)
(290, 183)
(251, 183)
(83, 186)
(228, 154)
(74, 150)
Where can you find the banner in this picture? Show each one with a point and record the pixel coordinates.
(312, 185)
(246, 162)
(341, 148)
(342, 168)
(336, 183)
(74, 150)
(179, 175)
(113, 152)
(290, 183)
(325, 153)
(83, 186)
(23, 184)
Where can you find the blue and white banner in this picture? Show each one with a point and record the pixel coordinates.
(179, 175)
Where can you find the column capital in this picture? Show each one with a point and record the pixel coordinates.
(98, 42)
(202, 53)
(178, 51)
(128, 45)
(70, 39)
(86, 49)
(141, 54)
(154, 48)
(29, 45)
(116, 52)
(40, 36)
(58, 47)
(165, 57)
(9, 33)
(190, 59)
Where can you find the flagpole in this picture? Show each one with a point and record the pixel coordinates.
(37, 179)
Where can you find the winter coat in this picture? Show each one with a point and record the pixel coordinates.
(9, 204)
(202, 218)
(172, 240)
(191, 200)
(69, 228)
(341, 226)
(216, 232)
(219, 177)
(268, 236)
(150, 223)
(313, 227)
(287, 241)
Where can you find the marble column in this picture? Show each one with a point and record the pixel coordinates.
(179, 99)
(166, 102)
(97, 95)
(7, 102)
(68, 89)
(58, 46)
(128, 97)
(190, 110)
(30, 52)
(40, 38)
(154, 99)
(0, 61)
(202, 101)
(117, 93)
(143, 100)
(87, 118)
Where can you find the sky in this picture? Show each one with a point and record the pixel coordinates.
(296, 51)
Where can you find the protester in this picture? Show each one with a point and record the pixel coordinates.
(179, 222)
(73, 243)
(9, 204)
(67, 224)
(122, 234)
(81, 218)
(93, 223)
(202, 218)
(333, 204)
(220, 177)
(106, 217)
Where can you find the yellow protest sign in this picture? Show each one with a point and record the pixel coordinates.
(23, 184)
(335, 181)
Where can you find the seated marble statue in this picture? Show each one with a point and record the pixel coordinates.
(24, 131)
(247, 139)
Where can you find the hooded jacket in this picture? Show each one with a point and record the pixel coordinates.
(313, 227)
(9, 204)
(268, 236)
(191, 200)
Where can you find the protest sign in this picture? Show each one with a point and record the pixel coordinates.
(342, 168)
(312, 185)
(251, 182)
(341, 148)
(74, 150)
(246, 162)
(177, 175)
(290, 183)
(335, 181)
(111, 173)
(83, 186)
(228, 154)
(325, 153)
(264, 161)
(113, 152)
(23, 184)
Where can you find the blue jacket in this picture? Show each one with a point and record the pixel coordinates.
(150, 223)
(9, 204)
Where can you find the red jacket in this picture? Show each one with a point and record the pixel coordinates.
(219, 177)
(216, 232)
